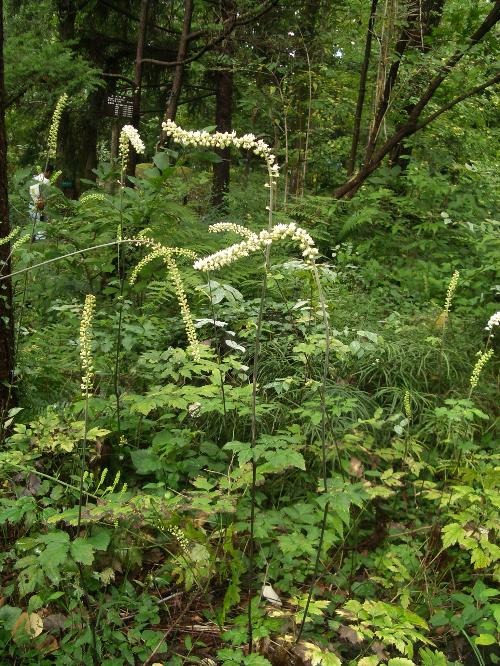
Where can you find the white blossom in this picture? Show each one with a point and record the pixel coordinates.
(224, 140)
(493, 321)
(129, 133)
(255, 242)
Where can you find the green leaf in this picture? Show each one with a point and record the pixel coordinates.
(485, 639)
(145, 461)
(369, 661)
(82, 551)
(9, 616)
(55, 553)
(161, 160)
(453, 533)
(94, 433)
(400, 661)
(100, 538)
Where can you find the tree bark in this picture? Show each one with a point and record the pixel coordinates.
(362, 89)
(178, 77)
(136, 108)
(414, 123)
(223, 114)
(6, 304)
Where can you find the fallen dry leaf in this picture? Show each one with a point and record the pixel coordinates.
(356, 467)
(349, 634)
(30, 624)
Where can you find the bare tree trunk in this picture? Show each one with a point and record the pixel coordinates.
(6, 304)
(136, 108)
(414, 122)
(362, 90)
(178, 77)
(223, 114)
(386, 79)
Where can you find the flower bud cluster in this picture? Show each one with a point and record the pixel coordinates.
(407, 404)
(256, 242)
(86, 344)
(20, 241)
(168, 254)
(55, 176)
(178, 534)
(483, 358)
(221, 227)
(54, 126)
(90, 197)
(13, 234)
(224, 140)
(493, 321)
(452, 287)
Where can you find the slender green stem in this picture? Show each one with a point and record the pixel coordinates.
(219, 359)
(121, 277)
(323, 447)
(135, 241)
(251, 568)
(253, 443)
(477, 654)
(26, 468)
(83, 457)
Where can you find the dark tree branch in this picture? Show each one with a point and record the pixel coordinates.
(476, 37)
(118, 76)
(130, 16)
(409, 127)
(231, 25)
(469, 93)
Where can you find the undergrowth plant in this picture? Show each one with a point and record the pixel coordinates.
(252, 441)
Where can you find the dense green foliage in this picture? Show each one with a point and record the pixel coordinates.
(347, 512)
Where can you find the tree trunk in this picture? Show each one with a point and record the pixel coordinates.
(414, 122)
(6, 305)
(178, 77)
(223, 114)
(136, 109)
(362, 89)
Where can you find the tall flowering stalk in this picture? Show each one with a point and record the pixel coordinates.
(260, 149)
(51, 153)
(484, 356)
(482, 360)
(54, 127)
(87, 367)
(452, 287)
(129, 136)
(256, 242)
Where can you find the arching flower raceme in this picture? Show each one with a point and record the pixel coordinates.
(168, 255)
(90, 197)
(221, 227)
(224, 140)
(256, 242)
